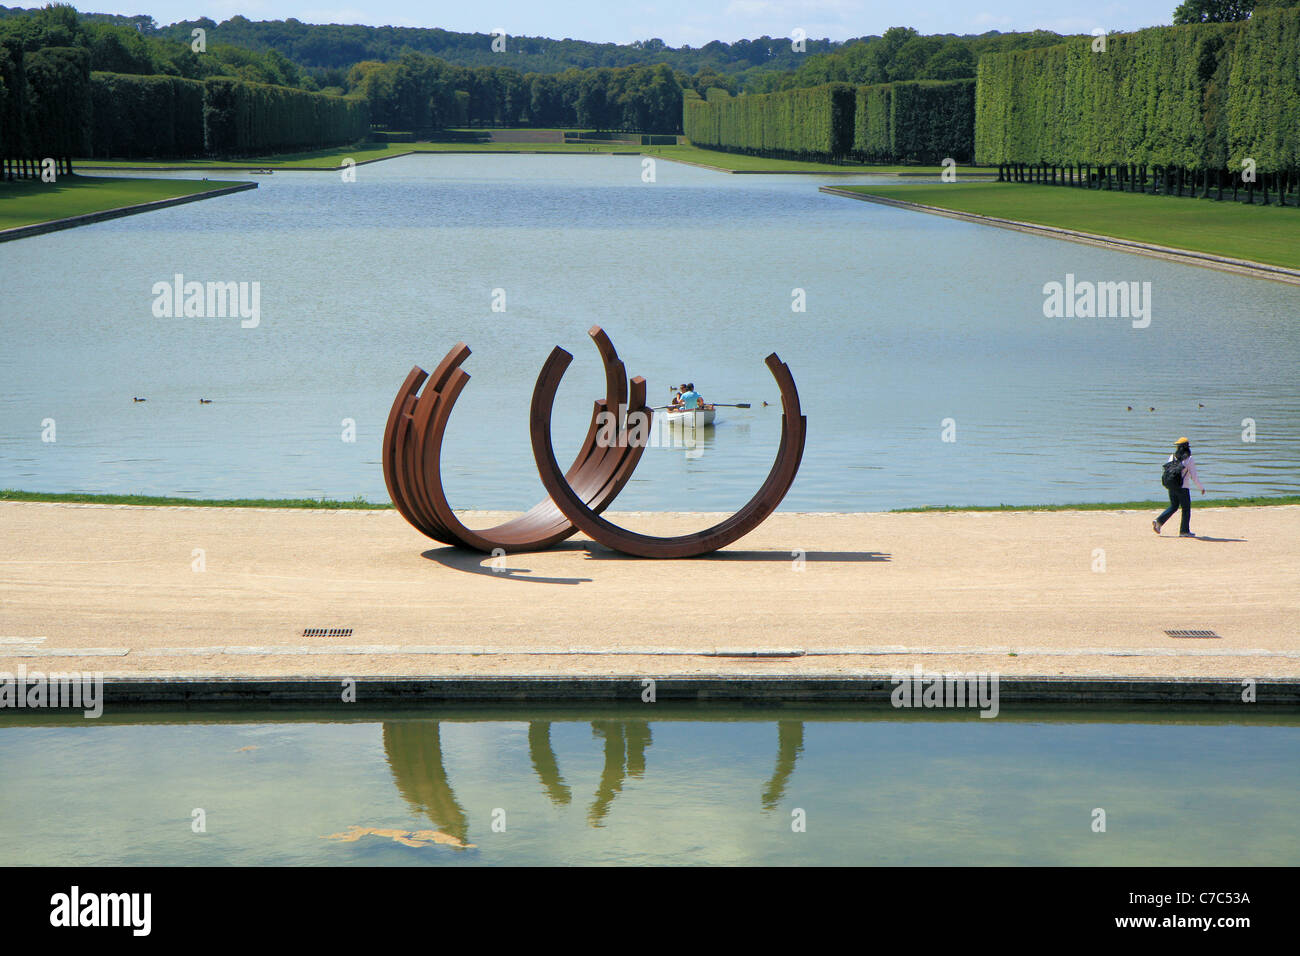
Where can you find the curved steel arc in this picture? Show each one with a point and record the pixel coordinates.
(769, 495)
(412, 453)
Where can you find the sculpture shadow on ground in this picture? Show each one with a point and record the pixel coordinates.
(597, 553)
(475, 562)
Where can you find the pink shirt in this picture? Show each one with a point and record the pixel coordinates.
(1189, 473)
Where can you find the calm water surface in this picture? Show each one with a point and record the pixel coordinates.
(690, 785)
(910, 320)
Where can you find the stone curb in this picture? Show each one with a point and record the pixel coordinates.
(629, 688)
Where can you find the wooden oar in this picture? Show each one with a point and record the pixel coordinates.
(714, 404)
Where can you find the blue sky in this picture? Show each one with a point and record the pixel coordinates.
(675, 21)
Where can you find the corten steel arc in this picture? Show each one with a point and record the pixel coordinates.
(569, 500)
(412, 457)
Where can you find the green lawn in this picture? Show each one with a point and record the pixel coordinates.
(1258, 233)
(24, 202)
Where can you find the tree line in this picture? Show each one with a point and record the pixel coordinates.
(418, 92)
(907, 121)
(338, 46)
(117, 45)
(901, 54)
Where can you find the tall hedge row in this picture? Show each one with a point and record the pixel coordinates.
(873, 139)
(241, 117)
(146, 116)
(49, 113)
(921, 121)
(51, 105)
(11, 96)
(815, 123)
(1263, 99)
(1198, 96)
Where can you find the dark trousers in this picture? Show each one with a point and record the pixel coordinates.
(1179, 498)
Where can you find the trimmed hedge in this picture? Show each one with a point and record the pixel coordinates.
(1197, 97)
(812, 124)
(146, 116)
(873, 141)
(920, 121)
(1263, 112)
(241, 117)
(56, 113)
(52, 105)
(12, 95)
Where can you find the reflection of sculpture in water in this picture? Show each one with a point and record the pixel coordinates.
(544, 763)
(625, 744)
(414, 750)
(789, 745)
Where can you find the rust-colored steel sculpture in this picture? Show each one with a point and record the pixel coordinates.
(412, 457)
(570, 502)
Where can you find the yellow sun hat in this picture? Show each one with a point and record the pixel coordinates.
(1183, 441)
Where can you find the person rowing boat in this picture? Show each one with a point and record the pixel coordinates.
(691, 399)
(688, 408)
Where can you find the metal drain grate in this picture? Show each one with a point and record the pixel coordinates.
(327, 632)
(1186, 633)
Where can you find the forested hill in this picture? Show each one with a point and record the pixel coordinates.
(337, 46)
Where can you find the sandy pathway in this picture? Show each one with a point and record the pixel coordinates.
(212, 591)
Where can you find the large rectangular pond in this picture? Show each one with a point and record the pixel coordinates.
(910, 320)
(652, 784)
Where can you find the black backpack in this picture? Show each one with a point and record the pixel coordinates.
(1171, 476)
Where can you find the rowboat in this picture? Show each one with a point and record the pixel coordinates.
(691, 418)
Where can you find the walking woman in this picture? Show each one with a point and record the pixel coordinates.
(1178, 477)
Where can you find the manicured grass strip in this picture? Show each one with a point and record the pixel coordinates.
(356, 504)
(1258, 233)
(1117, 505)
(24, 202)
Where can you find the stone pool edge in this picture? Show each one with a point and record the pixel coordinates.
(694, 688)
